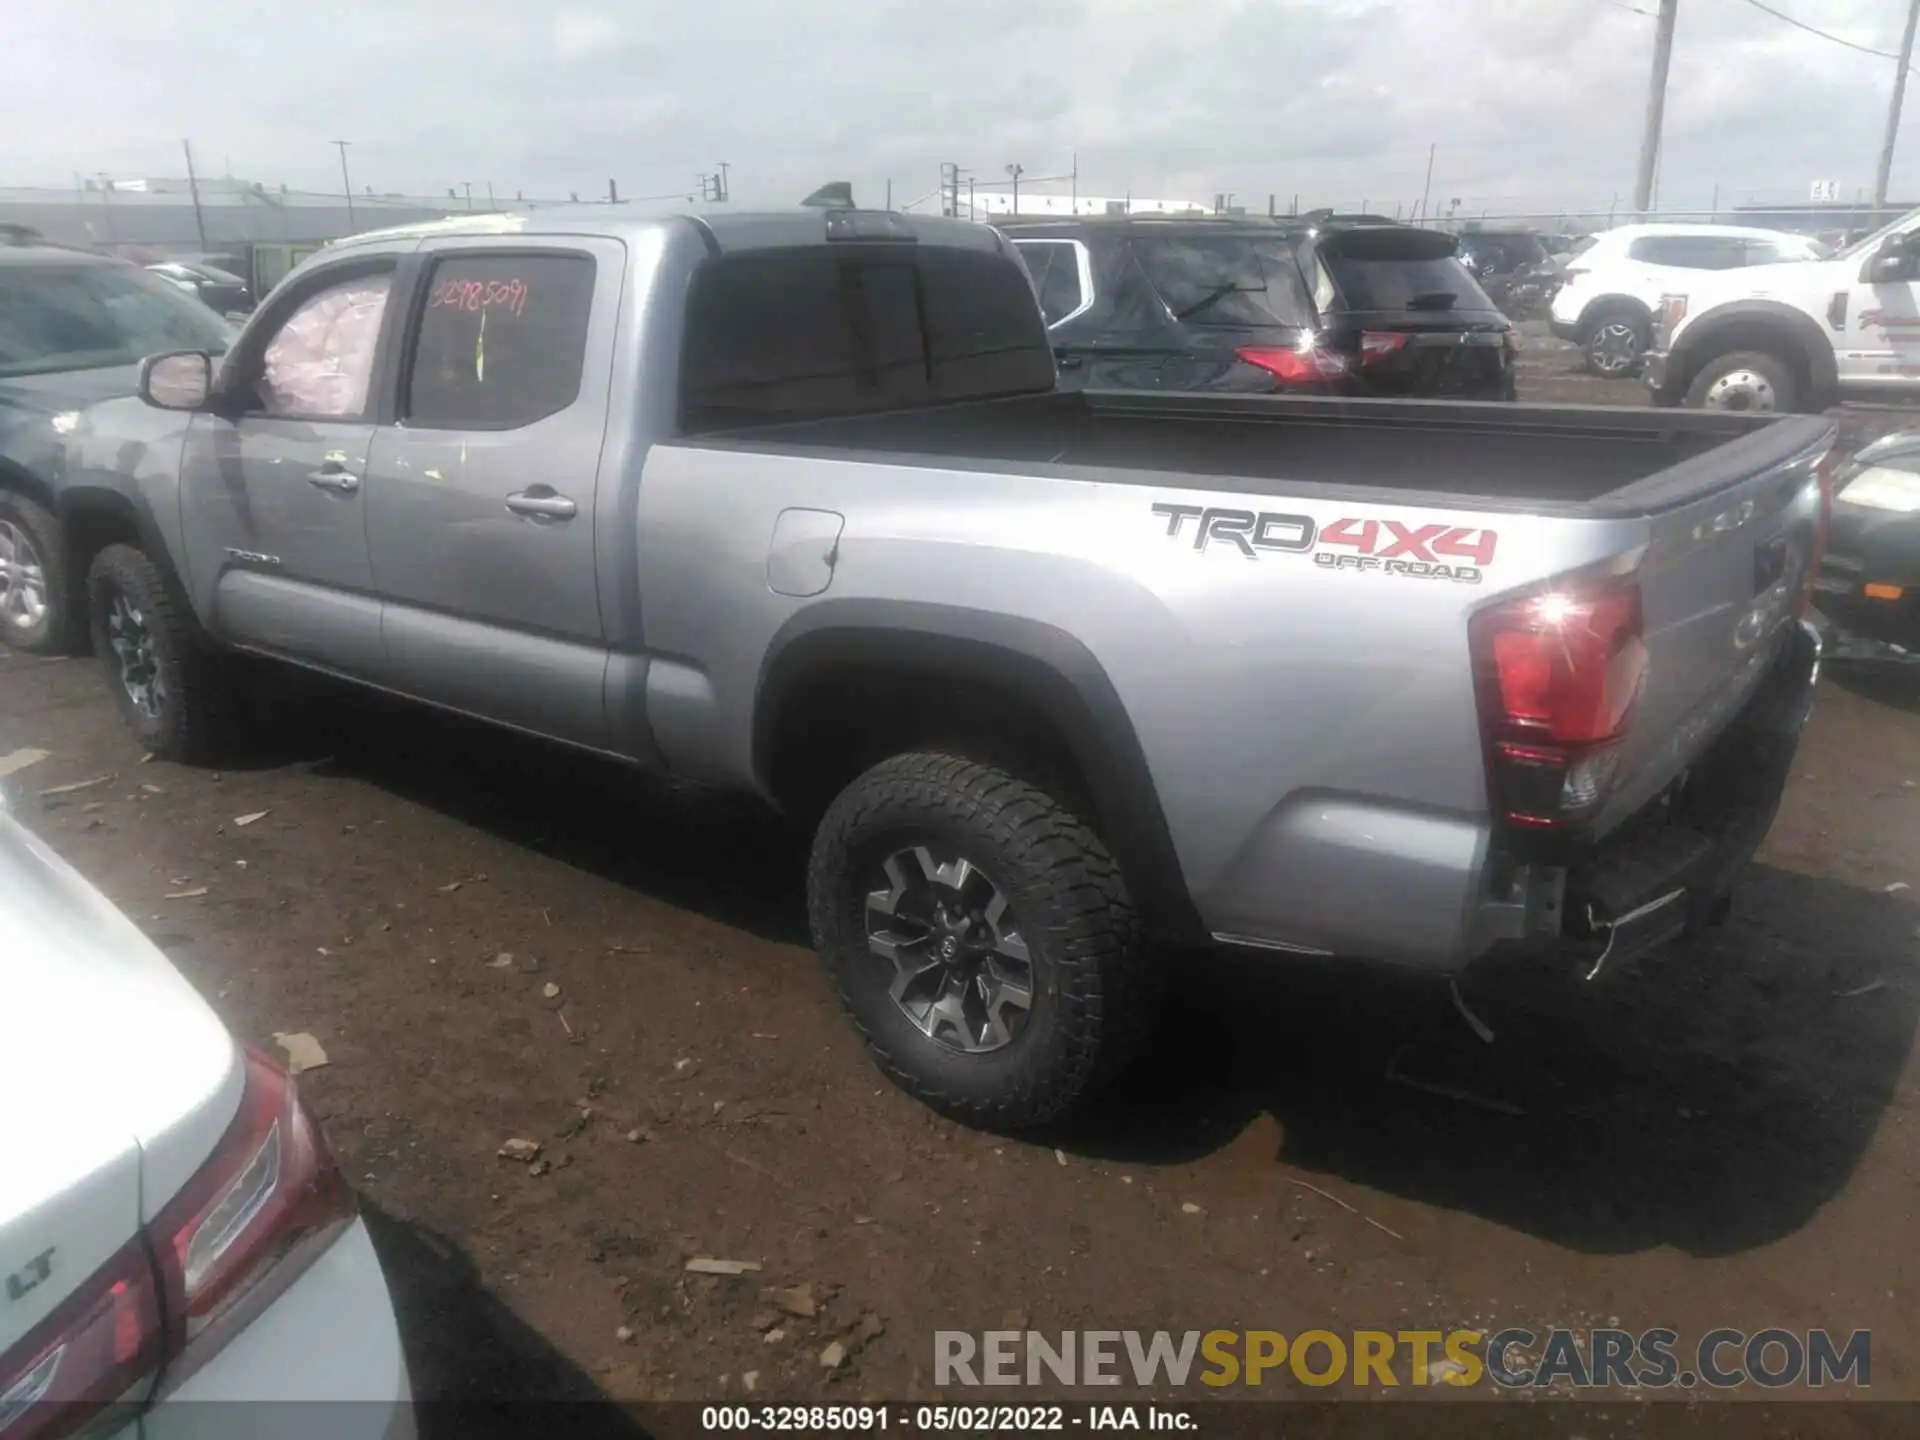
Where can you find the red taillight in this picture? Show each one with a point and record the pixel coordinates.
(262, 1207)
(1295, 367)
(1378, 344)
(100, 1348)
(1559, 672)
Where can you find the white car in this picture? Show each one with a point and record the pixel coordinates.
(173, 1228)
(1610, 297)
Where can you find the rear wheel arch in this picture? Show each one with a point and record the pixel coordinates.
(1603, 306)
(1770, 328)
(849, 683)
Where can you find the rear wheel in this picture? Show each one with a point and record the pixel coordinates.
(1616, 342)
(173, 688)
(980, 936)
(1748, 380)
(34, 612)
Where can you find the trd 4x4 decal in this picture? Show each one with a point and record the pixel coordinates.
(1422, 552)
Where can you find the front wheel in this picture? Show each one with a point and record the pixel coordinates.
(1747, 380)
(981, 937)
(172, 687)
(34, 611)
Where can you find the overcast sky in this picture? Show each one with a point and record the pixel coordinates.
(1530, 101)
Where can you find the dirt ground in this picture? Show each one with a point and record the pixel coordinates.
(494, 939)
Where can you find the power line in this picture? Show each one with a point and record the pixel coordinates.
(1802, 25)
(1635, 9)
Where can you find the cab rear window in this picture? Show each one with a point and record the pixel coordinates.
(808, 334)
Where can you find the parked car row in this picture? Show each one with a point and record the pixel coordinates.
(1319, 305)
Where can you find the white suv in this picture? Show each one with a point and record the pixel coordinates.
(1797, 336)
(1611, 294)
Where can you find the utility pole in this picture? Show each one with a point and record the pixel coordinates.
(469, 187)
(346, 184)
(1073, 207)
(1885, 172)
(889, 194)
(1426, 189)
(491, 203)
(725, 193)
(1016, 171)
(1656, 106)
(193, 188)
(972, 214)
(613, 193)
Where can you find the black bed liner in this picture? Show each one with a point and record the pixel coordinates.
(1599, 460)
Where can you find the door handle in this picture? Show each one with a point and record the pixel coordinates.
(542, 506)
(341, 482)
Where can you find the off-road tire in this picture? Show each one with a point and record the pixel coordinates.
(1777, 373)
(194, 722)
(1094, 987)
(60, 628)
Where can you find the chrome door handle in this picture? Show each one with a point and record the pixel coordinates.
(546, 506)
(342, 482)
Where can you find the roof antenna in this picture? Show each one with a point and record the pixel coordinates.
(834, 195)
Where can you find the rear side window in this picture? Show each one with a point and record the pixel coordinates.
(807, 334)
(1690, 252)
(501, 342)
(1225, 280)
(1055, 266)
(1403, 271)
(1773, 252)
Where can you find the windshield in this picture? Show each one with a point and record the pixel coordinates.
(1872, 242)
(91, 317)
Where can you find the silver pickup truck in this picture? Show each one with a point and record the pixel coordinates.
(788, 503)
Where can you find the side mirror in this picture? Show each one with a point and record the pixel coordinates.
(180, 380)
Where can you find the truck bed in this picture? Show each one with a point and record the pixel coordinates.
(1503, 456)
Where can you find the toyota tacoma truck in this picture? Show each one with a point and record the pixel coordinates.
(1060, 682)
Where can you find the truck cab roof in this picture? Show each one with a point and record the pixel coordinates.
(726, 229)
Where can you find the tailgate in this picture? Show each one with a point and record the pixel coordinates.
(1728, 558)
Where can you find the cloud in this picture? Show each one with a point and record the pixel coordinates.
(1525, 102)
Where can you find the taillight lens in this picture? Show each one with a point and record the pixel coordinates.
(265, 1204)
(1305, 365)
(1378, 344)
(100, 1348)
(1559, 672)
(256, 1214)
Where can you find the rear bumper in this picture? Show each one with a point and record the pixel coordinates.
(1671, 868)
(1350, 875)
(324, 1360)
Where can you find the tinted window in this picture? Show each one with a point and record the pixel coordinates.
(1690, 252)
(1405, 270)
(501, 343)
(1228, 280)
(790, 335)
(89, 317)
(1055, 268)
